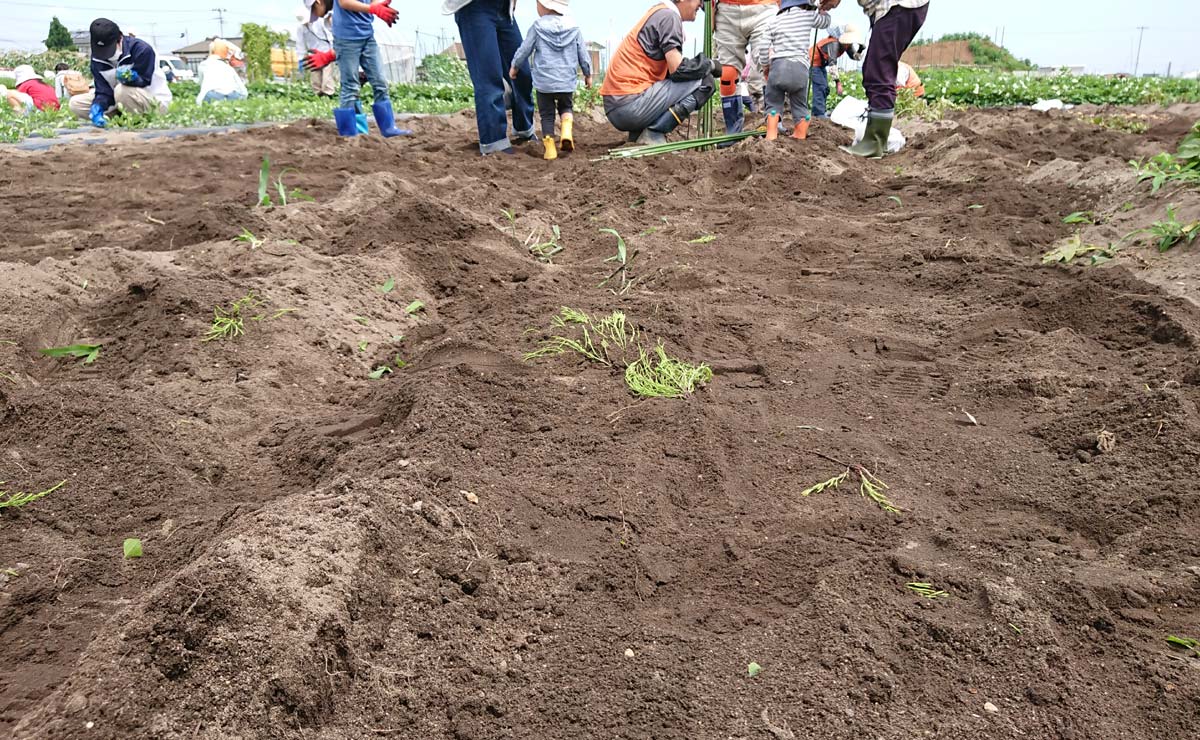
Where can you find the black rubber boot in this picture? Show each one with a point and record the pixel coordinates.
(874, 140)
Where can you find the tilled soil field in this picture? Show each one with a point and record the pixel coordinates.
(473, 546)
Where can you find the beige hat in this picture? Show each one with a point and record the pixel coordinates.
(851, 35)
(24, 73)
(558, 6)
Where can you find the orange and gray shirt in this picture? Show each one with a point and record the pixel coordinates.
(641, 59)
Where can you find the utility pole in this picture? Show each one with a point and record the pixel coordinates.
(221, 19)
(1138, 59)
(154, 35)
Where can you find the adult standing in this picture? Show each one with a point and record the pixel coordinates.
(490, 39)
(650, 88)
(739, 24)
(846, 40)
(127, 77)
(894, 25)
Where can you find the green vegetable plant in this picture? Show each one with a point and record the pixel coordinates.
(229, 323)
(512, 220)
(388, 285)
(248, 237)
(1186, 643)
(1080, 217)
(1182, 167)
(664, 376)
(624, 258)
(869, 485)
(17, 499)
(265, 183)
(1128, 124)
(545, 251)
(1170, 232)
(413, 307)
(87, 352)
(1073, 248)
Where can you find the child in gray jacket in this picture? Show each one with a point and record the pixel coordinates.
(560, 51)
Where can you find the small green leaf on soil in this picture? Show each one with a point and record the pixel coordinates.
(388, 286)
(133, 548)
(379, 372)
(895, 198)
(705, 239)
(414, 307)
(754, 669)
(361, 319)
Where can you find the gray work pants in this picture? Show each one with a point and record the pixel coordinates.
(789, 77)
(635, 113)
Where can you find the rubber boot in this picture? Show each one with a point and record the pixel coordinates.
(875, 138)
(731, 108)
(801, 130)
(386, 120)
(656, 133)
(344, 118)
(568, 133)
(772, 126)
(551, 152)
(360, 118)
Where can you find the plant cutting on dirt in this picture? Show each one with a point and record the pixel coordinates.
(1171, 231)
(248, 237)
(17, 499)
(87, 352)
(545, 251)
(413, 307)
(229, 323)
(624, 259)
(388, 286)
(653, 150)
(1080, 217)
(703, 239)
(1073, 248)
(869, 485)
(132, 548)
(1186, 643)
(512, 220)
(264, 184)
(927, 590)
(1182, 167)
(612, 341)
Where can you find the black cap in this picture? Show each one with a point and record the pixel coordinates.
(105, 36)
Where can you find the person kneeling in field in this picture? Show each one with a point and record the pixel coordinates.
(17, 101)
(127, 77)
(650, 88)
(29, 83)
(218, 80)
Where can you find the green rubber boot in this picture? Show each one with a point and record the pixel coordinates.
(875, 139)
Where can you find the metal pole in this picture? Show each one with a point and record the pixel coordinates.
(1138, 58)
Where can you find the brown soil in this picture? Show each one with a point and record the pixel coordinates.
(314, 569)
(940, 54)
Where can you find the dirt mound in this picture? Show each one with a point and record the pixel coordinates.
(472, 546)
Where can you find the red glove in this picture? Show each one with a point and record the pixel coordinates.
(384, 12)
(319, 59)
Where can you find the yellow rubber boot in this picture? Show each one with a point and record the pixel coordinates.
(568, 134)
(551, 152)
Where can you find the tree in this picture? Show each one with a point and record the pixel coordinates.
(257, 42)
(59, 37)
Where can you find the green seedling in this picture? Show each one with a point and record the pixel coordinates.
(132, 548)
(1080, 217)
(229, 323)
(379, 372)
(753, 669)
(927, 590)
(624, 259)
(1014, 628)
(703, 239)
(248, 237)
(897, 199)
(413, 307)
(869, 485)
(362, 345)
(1171, 232)
(638, 203)
(17, 499)
(546, 250)
(264, 185)
(362, 320)
(512, 221)
(388, 286)
(666, 378)
(1186, 643)
(88, 352)
(399, 362)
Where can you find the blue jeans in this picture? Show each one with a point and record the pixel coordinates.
(212, 96)
(490, 38)
(820, 88)
(355, 53)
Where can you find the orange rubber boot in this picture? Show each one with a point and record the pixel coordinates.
(772, 126)
(801, 131)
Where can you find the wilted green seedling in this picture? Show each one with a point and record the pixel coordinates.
(927, 590)
(1073, 247)
(1187, 643)
(703, 239)
(248, 237)
(869, 485)
(1080, 217)
(1171, 232)
(544, 251)
(264, 183)
(624, 259)
(15, 500)
(665, 378)
(229, 323)
(132, 548)
(414, 307)
(88, 352)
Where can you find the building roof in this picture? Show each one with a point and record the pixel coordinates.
(201, 47)
(455, 50)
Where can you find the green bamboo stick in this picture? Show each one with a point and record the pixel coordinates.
(676, 146)
(705, 129)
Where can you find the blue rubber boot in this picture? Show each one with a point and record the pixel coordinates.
(386, 120)
(731, 108)
(360, 118)
(344, 118)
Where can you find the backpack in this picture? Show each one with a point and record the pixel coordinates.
(74, 83)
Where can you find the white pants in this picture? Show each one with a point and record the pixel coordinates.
(129, 99)
(739, 26)
(325, 80)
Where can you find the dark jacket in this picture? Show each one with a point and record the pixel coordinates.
(135, 53)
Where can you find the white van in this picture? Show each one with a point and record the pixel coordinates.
(173, 67)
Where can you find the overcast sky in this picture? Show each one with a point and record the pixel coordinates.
(1101, 35)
